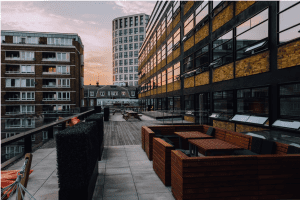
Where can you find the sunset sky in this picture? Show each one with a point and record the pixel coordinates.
(91, 20)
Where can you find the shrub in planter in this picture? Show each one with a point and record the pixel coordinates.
(97, 109)
(106, 114)
(77, 163)
(98, 118)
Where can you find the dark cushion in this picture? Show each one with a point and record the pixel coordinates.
(268, 147)
(256, 145)
(243, 152)
(210, 131)
(293, 150)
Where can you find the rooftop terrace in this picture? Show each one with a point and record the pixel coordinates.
(124, 172)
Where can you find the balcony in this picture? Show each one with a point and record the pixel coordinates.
(49, 83)
(12, 69)
(12, 96)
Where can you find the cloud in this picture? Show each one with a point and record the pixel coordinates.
(26, 16)
(134, 7)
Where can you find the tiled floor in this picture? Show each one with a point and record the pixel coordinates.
(125, 172)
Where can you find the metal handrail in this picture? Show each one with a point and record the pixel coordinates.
(34, 131)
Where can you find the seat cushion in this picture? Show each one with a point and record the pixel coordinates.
(210, 131)
(268, 147)
(293, 150)
(243, 152)
(256, 144)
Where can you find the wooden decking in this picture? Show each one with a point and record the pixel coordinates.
(118, 133)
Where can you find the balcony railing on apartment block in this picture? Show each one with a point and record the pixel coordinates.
(19, 112)
(6, 143)
(12, 72)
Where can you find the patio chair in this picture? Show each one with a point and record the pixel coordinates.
(293, 150)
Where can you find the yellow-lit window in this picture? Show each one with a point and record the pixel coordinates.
(163, 77)
(189, 24)
(177, 71)
(170, 75)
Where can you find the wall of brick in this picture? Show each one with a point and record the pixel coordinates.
(187, 7)
(163, 63)
(177, 85)
(9, 39)
(169, 28)
(170, 87)
(188, 44)
(223, 73)
(288, 55)
(164, 89)
(243, 128)
(223, 17)
(158, 90)
(170, 58)
(176, 20)
(43, 40)
(202, 79)
(253, 65)
(202, 33)
(224, 125)
(176, 53)
(240, 6)
(189, 118)
(189, 82)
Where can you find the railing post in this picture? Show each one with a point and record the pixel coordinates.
(50, 132)
(28, 144)
(63, 125)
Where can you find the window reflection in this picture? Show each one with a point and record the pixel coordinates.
(252, 35)
(223, 49)
(289, 22)
(201, 11)
(253, 101)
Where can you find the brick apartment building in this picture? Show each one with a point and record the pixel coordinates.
(236, 60)
(41, 73)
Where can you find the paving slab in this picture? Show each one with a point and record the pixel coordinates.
(117, 179)
(156, 196)
(114, 171)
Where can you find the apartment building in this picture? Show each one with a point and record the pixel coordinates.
(236, 61)
(128, 34)
(101, 95)
(41, 73)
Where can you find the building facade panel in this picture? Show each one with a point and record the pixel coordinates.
(236, 58)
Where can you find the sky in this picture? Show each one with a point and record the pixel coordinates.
(91, 20)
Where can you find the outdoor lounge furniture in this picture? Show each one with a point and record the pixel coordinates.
(211, 146)
(235, 177)
(148, 135)
(184, 136)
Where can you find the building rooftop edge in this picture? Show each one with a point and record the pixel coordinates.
(40, 34)
(130, 15)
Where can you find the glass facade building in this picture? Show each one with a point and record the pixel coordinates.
(128, 34)
(236, 61)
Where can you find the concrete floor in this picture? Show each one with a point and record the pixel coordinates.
(124, 173)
